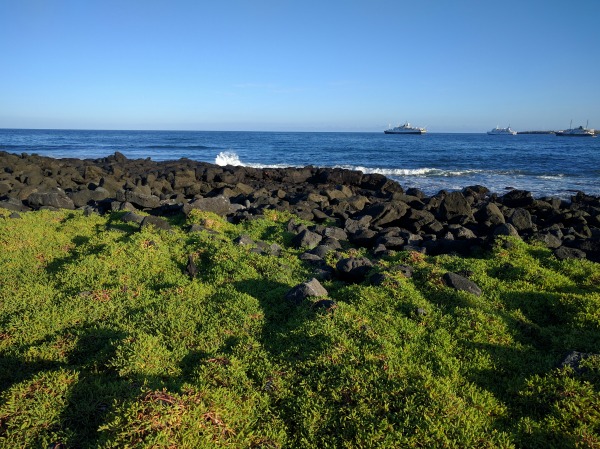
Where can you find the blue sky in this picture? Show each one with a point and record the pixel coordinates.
(327, 65)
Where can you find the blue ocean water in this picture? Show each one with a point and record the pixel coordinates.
(544, 164)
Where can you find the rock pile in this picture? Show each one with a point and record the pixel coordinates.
(367, 210)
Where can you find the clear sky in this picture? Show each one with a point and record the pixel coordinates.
(326, 65)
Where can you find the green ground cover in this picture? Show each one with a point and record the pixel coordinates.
(105, 341)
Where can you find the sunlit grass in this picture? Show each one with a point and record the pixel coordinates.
(106, 341)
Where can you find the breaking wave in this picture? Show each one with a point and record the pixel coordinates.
(231, 158)
(227, 158)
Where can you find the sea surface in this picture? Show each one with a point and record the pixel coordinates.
(543, 164)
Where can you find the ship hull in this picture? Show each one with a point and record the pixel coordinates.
(403, 132)
(574, 135)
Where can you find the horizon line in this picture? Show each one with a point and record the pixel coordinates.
(248, 131)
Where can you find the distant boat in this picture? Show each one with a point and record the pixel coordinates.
(577, 132)
(502, 131)
(405, 129)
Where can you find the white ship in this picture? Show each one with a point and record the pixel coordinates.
(577, 132)
(502, 131)
(405, 129)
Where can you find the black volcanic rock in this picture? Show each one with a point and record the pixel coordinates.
(459, 282)
(517, 198)
(57, 199)
(353, 270)
(366, 210)
(564, 252)
(455, 209)
(305, 290)
(386, 214)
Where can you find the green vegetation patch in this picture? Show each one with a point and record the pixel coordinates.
(107, 341)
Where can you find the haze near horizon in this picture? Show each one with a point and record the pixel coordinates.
(462, 66)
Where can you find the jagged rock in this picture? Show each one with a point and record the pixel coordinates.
(191, 268)
(184, 179)
(517, 198)
(455, 209)
(391, 242)
(416, 219)
(548, 239)
(265, 248)
(521, 220)
(132, 217)
(244, 240)
(478, 192)
(219, 205)
(505, 229)
(157, 222)
(139, 199)
(14, 204)
(406, 270)
(356, 202)
(490, 216)
(360, 204)
(353, 226)
(84, 197)
(336, 233)
(386, 214)
(353, 269)
(306, 239)
(363, 237)
(339, 176)
(300, 292)
(458, 282)
(311, 258)
(321, 250)
(590, 246)
(58, 200)
(462, 233)
(564, 252)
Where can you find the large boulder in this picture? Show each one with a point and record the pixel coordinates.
(87, 196)
(416, 219)
(455, 209)
(353, 269)
(521, 220)
(518, 198)
(306, 239)
(57, 199)
(459, 282)
(505, 229)
(157, 222)
(490, 216)
(183, 179)
(564, 252)
(301, 292)
(138, 198)
(386, 214)
(219, 205)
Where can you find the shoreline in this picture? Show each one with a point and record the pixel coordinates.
(374, 211)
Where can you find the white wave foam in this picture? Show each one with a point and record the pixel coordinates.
(231, 158)
(552, 177)
(227, 158)
(391, 171)
(419, 172)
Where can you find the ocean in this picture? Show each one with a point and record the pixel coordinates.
(541, 163)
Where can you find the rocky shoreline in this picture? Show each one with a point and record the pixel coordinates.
(367, 210)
